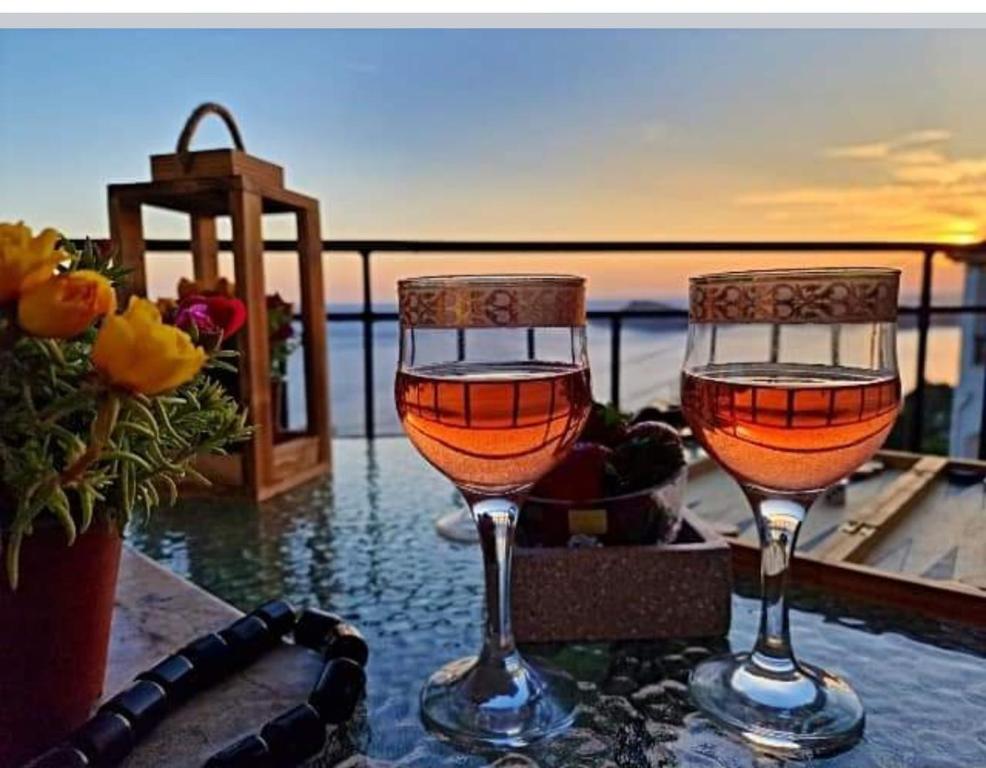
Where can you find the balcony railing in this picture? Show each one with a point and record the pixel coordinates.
(368, 316)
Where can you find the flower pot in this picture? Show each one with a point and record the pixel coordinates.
(54, 636)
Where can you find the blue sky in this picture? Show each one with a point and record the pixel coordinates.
(522, 133)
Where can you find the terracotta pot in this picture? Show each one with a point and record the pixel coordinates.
(54, 637)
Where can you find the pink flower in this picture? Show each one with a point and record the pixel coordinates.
(211, 315)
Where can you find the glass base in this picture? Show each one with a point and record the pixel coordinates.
(796, 711)
(508, 703)
(458, 526)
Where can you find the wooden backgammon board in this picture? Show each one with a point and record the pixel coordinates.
(911, 533)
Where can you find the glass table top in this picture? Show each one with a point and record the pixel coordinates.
(363, 544)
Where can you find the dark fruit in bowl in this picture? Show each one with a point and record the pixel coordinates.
(580, 477)
(650, 454)
(659, 434)
(647, 413)
(605, 426)
(619, 485)
(639, 518)
(671, 416)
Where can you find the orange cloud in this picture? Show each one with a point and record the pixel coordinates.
(896, 147)
(924, 193)
(919, 157)
(874, 151)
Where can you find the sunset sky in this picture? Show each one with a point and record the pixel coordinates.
(567, 134)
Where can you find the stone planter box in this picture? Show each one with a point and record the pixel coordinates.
(681, 589)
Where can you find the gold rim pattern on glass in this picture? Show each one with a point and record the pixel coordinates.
(492, 301)
(826, 295)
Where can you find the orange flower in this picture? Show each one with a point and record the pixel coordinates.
(137, 351)
(65, 305)
(25, 259)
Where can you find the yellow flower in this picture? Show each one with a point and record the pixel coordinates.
(136, 351)
(25, 260)
(65, 305)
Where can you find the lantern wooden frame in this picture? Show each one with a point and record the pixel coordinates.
(229, 182)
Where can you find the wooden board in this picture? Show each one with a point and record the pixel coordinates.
(953, 601)
(912, 536)
(718, 499)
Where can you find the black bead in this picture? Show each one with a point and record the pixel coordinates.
(59, 757)
(144, 704)
(248, 752)
(338, 690)
(175, 674)
(105, 740)
(278, 615)
(248, 638)
(346, 642)
(211, 657)
(313, 628)
(297, 734)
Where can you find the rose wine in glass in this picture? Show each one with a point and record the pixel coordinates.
(790, 383)
(492, 389)
(490, 427)
(781, 427)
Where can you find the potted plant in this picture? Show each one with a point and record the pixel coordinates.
(282, 344)
(101, 415)
(216, 297)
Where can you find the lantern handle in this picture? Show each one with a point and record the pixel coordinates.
(209, 107)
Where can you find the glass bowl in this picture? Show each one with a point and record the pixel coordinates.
(648, 516)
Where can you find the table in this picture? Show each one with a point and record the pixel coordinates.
(363, 544)
(156, 613)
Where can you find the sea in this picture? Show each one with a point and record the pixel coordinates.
(651, 357)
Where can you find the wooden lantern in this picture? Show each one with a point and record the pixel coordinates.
(229, 182)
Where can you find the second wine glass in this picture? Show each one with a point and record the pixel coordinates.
(790, 383)
(493, 389)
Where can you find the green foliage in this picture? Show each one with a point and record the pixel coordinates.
(91, 256)
(72, 448)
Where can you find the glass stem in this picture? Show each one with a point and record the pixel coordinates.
(778, 522)
(496, 520)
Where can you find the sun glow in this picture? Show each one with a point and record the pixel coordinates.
(962, 232)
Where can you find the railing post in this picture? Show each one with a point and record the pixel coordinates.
(531, 351)
(615, 331)
(368, 417)
(460, 344)
(982, 417)
(924, 322)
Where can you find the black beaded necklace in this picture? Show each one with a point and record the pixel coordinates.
(287, 740)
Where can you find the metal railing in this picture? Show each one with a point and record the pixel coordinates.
(368, 316)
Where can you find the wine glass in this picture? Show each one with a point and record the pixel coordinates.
(492, 389)
(790, 383)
